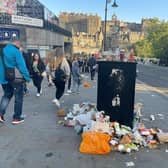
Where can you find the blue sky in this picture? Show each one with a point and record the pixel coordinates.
(128, 10)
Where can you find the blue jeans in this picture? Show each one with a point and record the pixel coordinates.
(10, 90)
(75, 85)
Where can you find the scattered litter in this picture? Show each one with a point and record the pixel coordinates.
(163, 137)
(86, 118)
(87, 84)
(66, 94)
(152, 117)
(61, 113)
(69, 123)
(166, 150)
(84, 76)
(130, 164)
(60, 122)
(145, 119)
(50, 154)
(153, 95)
(160, 115)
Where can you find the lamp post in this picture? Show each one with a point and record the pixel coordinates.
(105, 20)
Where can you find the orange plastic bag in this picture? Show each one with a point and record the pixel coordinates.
(87, 84)
(95, 143)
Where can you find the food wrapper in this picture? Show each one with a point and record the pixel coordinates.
(163, 137)
(61, 113)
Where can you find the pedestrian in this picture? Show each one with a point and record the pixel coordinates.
(92, 64)
(76, 75)
(80, 63)
(122, 55)
(61, 73)
(69, 59)
(11, 56)
(132, 55)
(48, 73)
(38, 70)
(87, 65)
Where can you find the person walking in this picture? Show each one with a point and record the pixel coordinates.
(76, 75)
(38, 69)
(61, 69)
(132, 55)
(122, 55)
(92, 64)
(11, 56)
(69, 60)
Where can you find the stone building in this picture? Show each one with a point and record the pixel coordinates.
(86, 31)
(122, 34)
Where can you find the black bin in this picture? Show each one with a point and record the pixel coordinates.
(116, 90)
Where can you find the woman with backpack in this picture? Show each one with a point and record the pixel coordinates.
(38, 71)
(61, 73)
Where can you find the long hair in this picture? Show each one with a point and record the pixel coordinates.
(55, 58)
(39, 60)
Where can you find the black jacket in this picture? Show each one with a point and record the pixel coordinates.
(41, 67)
(92, 61)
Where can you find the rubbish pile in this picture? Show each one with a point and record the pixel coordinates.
(100, 136)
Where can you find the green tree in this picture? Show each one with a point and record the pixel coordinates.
(144, 48)
(156, 39)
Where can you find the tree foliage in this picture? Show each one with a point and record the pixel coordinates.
(155, 43)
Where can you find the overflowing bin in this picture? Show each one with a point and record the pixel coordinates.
(116, 90)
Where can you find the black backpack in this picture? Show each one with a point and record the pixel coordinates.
(60, 75)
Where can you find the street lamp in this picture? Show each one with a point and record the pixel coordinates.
(114, 5)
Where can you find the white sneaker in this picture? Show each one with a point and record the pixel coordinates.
(38, 94)
(69, 91)
(56, 101)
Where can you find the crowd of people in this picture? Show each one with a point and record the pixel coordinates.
(58, 68)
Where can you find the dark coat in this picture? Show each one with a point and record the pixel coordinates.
(41, 67)
(92, 61)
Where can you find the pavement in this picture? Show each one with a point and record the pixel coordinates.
(40, 142)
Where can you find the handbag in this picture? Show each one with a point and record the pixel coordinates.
(9, 74)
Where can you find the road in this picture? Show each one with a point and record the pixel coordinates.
(156, 77)
(153, 75)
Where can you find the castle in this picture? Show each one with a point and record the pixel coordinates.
(87, 32)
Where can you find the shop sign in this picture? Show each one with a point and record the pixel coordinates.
(44, 48)
(27, 21)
